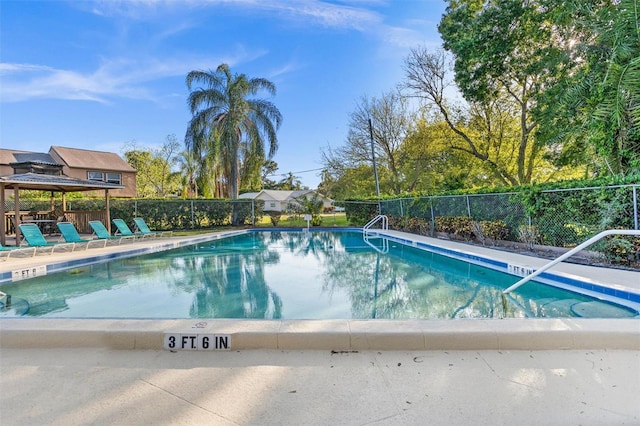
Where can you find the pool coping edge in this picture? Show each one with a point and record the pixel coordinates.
(340, 335)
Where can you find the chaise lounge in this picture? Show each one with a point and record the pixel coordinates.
(101, 232)
(34, 238)
(70, 234)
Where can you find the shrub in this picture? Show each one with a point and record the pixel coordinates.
(456, 226)
(275, 218)
(358, 214)
(530, 235)
(622, 250)
(418, 226)
(496, 230)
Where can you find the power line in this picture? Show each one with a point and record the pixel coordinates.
(295, 173)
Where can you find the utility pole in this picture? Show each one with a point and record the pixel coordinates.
(375, 169)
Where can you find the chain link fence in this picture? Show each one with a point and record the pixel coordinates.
(560, 218)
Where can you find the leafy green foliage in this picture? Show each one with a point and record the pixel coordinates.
(455, 226)
(414, 225)
(593, 113)
(529, 235)
(275, 217)
(622, 250)
(154, 178)
(232, 127)
(358, 214)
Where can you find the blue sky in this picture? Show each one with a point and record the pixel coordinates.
(107, 75)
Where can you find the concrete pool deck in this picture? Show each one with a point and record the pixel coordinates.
(524, 371)
(97, 386)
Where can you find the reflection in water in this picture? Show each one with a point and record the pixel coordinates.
(295, 275)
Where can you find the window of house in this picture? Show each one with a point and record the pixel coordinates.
(95, 176)
(115, 178)
(273, 204)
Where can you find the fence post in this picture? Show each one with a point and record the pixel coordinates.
(253, 212)
(433, 217)
(468, 206)
(193, 216)
(635, 208)
(135, 208)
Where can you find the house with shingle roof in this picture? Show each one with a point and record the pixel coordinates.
(280, 201)
(97, 166)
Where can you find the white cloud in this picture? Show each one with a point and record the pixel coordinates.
(315, 11)
(131, 74)
(114, 78)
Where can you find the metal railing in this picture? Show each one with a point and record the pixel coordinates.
(570, 253)
(380, 218)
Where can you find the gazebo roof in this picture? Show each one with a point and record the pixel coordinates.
(60, 183)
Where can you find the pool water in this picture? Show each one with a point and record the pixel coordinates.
(294, 275)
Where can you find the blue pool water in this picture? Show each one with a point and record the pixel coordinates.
(294, 275)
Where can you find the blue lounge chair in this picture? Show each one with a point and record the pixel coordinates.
(8, 251)
(102, 233)
(143, 228)
(123, 229)
(34, 238)
(70, 234)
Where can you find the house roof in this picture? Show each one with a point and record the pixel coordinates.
(87, 159)
(277, 195)
(40, 182)
(249, 195)
(8, 156)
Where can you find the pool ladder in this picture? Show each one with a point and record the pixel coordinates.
(570, 253)
(367, 233)
(366, 229)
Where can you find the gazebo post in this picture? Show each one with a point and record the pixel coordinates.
(43, 182)
(3, 230)
(107, 210)
(16, 206)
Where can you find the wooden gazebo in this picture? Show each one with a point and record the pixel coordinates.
(46, 182)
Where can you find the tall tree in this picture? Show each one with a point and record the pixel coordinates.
(244, 125)
(494, 130)
(290, 183)
(154, 177)
(189, 165)
(504, 57)
(390, 119)
(269, 168)
(594, 113)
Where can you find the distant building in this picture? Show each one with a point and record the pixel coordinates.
(75, 163)
(280, 201)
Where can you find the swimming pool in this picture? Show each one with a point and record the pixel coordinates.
(294, 275)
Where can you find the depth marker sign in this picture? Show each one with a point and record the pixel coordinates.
(197, 342)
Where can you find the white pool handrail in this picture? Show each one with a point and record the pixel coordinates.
(570, 253)
(385, 223)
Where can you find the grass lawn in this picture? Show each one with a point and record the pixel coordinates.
(297, 221)
(286, 221)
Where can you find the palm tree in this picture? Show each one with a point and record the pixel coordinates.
(188, 171)
(241, 126)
